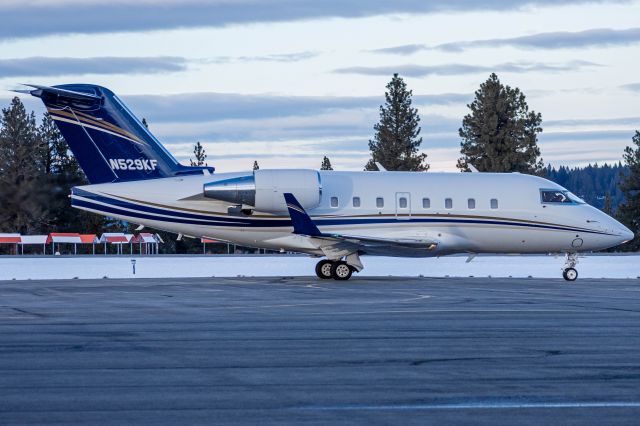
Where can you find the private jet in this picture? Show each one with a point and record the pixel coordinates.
(336, 215)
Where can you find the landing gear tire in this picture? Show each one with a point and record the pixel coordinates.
(341, 271)
(570, 274)
(323, 269)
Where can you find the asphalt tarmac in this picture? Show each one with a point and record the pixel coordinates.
(304, 351)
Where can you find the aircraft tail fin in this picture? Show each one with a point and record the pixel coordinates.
(107, 139)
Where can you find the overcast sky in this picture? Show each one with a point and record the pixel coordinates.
(285, 82)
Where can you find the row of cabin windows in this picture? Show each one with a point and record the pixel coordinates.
(426, 203)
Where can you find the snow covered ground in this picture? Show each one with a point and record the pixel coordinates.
(592, 266)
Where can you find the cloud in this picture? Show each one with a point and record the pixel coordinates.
(617, 121)
(634, 87)
(39, 66)
(460, 69)
(587, 135)
(356, 125)
(598, 37)
(207, 106)
(33, 18)
(282, 57)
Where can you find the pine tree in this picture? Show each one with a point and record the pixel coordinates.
(255, 165)
(500, 134)
(396, 141)
(199, 154)
(326, 164)
(59, 158)
(24, 192)
(607, 206)
(63, 173)
(629, 211)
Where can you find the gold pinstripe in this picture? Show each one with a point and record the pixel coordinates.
(87, 119)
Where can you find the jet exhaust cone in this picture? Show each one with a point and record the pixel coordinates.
(238, 190)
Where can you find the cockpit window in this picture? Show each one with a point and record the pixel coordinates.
(559, 196)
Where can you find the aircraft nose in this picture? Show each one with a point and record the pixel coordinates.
(625, 233)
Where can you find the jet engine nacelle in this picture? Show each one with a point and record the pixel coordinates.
(265, 188)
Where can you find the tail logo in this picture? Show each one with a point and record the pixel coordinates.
(129, 164)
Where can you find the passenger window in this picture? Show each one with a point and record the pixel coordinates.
(448, 203)
(426, 203)
(402, 202)
(334, 201)
(471, 203)
(494, 203)
(379, 202)
(356, 201)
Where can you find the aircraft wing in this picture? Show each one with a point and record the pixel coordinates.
(345, 244)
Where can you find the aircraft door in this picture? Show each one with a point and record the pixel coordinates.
(403, 205)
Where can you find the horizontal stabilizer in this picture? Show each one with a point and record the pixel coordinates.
(40, 91)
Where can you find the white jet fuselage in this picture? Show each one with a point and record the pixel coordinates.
(459, 212)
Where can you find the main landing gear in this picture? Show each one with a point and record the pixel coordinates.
(338, 270)
(569, 271)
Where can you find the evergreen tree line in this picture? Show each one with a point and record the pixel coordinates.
(598, 185)
(499, 134)
(37, 172)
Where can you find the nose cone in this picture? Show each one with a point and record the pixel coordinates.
(625, 233)
(616, 233)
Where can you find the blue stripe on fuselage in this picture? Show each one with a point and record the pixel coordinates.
(116, 207)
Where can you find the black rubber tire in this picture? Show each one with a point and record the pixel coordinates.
(323, 265)
(570, 274)
(341, 271)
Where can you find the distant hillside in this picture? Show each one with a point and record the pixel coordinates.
(591, 183)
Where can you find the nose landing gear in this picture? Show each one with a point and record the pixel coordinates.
(569, 271)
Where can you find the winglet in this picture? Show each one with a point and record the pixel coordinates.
(302, 223)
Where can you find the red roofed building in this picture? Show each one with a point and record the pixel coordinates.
(147, 241)
(117, 238)
(13, 239)
(10, 239)
(71, 238)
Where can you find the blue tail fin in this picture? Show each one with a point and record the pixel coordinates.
(109, 142)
